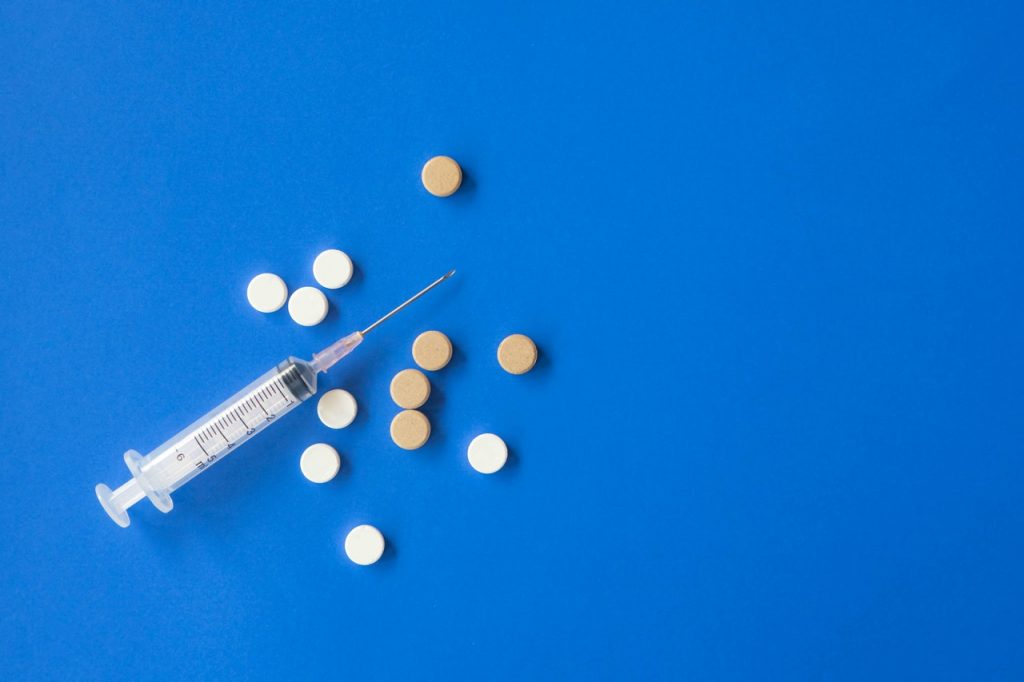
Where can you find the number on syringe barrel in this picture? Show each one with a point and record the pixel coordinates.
(242, 420)
(210, 440)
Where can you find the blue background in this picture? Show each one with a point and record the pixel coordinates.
(771, 253)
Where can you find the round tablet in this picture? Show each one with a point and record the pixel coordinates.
(319, 462)
(441, 176)
(364, 545)
(432, 350)
(337, 408)
(410, 429)
(332, 269)
(266, 292)
(487, 453)
(410, 388)
(308, 306)
(517, 354)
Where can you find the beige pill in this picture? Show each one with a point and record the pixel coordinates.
(432, 350)
(410, 429)
(410, 388)
(517, 354)
(441, 176)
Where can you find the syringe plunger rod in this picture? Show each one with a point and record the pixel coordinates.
(117, 502)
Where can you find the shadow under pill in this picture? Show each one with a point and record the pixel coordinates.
(457, 362)
(511, 462)
(390, 553)
(356, 281)
(467, 189)
(543, 367)
(436, 442)
(333, 313)
(344, 468)
(435, 402)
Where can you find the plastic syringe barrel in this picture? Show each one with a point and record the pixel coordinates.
(210, 438)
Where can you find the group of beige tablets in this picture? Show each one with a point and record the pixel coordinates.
(410, 389)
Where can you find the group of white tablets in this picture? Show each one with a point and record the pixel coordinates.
(320, 463)
(308, 306)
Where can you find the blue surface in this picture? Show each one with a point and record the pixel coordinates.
(771, 253)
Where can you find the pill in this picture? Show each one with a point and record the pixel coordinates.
(410, 429)
(410, 388)
(266, 292)
(332, 269)
(319, 462)
(441, 176)
(308, 306)
(364, 545)
(337, 408)
(432, 350)
(487, 453)
(517, 354)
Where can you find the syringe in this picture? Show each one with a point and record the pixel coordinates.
(221, 430)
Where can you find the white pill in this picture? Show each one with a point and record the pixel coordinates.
(267, 292)
(364, 545)
(337, 408)
(320, 462)
(308, 306)
(487, 453)
(332, 269)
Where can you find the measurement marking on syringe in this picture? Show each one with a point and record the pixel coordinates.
(283, 391)
(201, 447)
(223, 436)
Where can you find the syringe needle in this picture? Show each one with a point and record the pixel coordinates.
(330, 356)
(425, 290)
